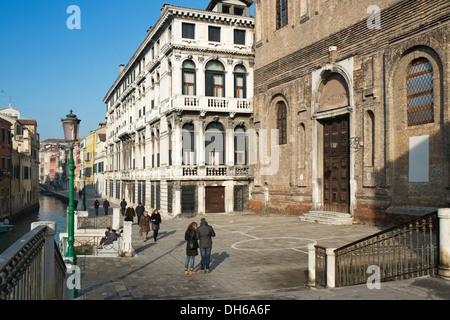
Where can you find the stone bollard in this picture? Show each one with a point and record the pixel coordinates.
(311, 264)
(49, 258)
(444, 242)
(331, 272)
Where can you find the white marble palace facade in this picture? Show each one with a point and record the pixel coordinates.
(178, 113)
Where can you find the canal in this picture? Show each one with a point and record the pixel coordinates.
(50, 209)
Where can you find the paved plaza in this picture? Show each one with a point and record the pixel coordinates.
(253, 257)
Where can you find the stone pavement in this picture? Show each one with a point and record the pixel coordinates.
(254, 257)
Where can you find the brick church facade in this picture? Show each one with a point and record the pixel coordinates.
(359, 95)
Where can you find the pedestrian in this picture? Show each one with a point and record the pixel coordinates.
(191, 247)
(139, 211)
(123, 206)
(130, 214)
(102, 240)
(204, 234)
(106, 206)
(96, 206)
(80, 192)
(144, 224)
(156, 221)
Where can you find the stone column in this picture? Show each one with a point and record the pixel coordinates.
(444, 242)
(49, 258)
(331, 264)
(177, 203)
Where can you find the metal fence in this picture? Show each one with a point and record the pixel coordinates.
(405, 251)
(97, 222)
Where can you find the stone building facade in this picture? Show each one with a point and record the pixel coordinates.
(359, 95)
(178, 112)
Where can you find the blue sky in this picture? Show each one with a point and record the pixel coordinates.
(47, 69)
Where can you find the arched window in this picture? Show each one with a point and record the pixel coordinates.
(240, 146)
(214, 144)
(240, 82)
(215, 79)
(281, 122)
(188, 144)
(420, 92)
(189, 78)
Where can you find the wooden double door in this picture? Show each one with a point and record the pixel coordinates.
(336, 164)
(214, 199)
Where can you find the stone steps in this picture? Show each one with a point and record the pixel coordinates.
(327, 217)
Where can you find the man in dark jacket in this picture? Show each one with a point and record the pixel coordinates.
(123, 206)
(139, 211)
(106, 206)
(204, 234)
(96, 206)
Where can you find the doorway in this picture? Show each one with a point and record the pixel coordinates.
(214, 199)
(336, 164)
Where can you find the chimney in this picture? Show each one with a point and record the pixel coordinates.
(122, 66)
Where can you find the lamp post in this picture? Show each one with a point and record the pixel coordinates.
(70, 126)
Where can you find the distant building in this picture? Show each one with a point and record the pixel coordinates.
(5, 168)
(51, 171)
(10, 112)
(99, 161)
(24, 162)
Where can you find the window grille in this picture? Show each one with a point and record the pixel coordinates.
(420, 93)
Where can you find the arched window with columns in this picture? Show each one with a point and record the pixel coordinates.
(215, 144)
(240, 146)
(188, 144)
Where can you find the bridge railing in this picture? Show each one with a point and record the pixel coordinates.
(33, 268)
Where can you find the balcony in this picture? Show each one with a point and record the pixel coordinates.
(125, 132)
(197, 103)
(140, 124)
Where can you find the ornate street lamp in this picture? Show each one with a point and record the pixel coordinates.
(71, 126)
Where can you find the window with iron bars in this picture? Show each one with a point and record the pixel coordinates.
(420, 97)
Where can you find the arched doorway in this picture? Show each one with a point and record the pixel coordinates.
(332, 175)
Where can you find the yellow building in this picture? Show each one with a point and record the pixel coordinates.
(88, 150)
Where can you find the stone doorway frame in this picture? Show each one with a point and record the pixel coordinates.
(345, 69)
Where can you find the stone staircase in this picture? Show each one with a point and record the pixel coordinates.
(327, 217)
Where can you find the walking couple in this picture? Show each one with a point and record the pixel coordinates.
(193, 236)
(146, 220)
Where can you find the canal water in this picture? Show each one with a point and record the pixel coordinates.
(50, 209)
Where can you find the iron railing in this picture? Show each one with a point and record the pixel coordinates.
(97, 222)
(405, 251)
(22, 269)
